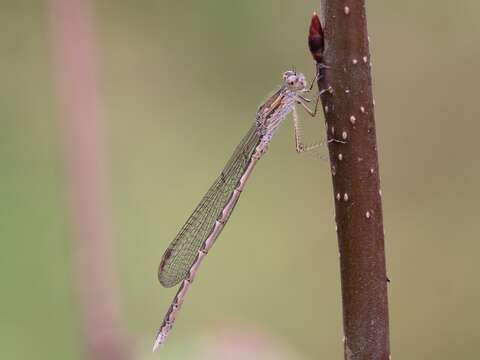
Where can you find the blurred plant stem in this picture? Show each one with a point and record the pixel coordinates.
(349, 114)
(81, 122)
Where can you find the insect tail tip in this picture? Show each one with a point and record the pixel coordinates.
(158, 342)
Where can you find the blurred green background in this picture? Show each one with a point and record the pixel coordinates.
(181, 81)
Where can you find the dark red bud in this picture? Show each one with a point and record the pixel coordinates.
(315, 39)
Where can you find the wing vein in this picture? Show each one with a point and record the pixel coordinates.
(181, 253)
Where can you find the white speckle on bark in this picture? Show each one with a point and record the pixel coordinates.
(338, 196)
(352, 119)
(367, 215)
(344, 135)
(333, 130)
(340, 156)
(347, 91)
(326, 108)
(372, 171)
(362, 109)
(346, 10)
(365, 59)
(345, 197)
(354, 61)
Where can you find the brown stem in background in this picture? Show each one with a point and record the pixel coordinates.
(81, 122)
(355, 174)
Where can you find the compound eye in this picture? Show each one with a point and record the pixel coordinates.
(286, 75)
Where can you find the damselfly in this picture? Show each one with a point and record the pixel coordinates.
(183, 257)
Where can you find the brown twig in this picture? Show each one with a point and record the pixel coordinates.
(343, 62)
(81, 122)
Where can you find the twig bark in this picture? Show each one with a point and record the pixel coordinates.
(343, 62)
(81, 122)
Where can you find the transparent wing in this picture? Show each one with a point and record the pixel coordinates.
(181, 253)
